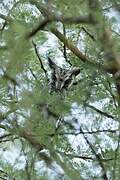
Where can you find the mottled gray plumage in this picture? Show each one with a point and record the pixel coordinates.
(61, 78)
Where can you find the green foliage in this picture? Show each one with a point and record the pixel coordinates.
(69, 133)
(69, 8)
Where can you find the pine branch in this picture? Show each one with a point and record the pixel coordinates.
(83, 157)
(99, 111)
(39, 27)
(88, 33)
(64, 47)
(96, 155)
(116, 155)
(80, 55)
(39, 58)
(84, 132)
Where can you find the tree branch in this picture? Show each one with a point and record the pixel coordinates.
(37, 28)
(6, 18)
(85, 132)
(79, 54)
(82, 157)
(41, 64)
(116, 155)
(99, 111)
(88, 33)
(96, 155)
(69, 45)
(7, 77)
(64, 47)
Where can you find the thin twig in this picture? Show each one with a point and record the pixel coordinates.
(91, 84)
(96, 155)
(6, 175)
(7, 77)
(118, 34)
(2, 178)
(99, 111)
(108, 8)
(64, 47)
(85, 132)
(79, 54)
(5, 135)
(88, 33)
(33, 74)
(41, 64)
(112, 95)
(6, 18)
(82, 157)
(7, 140)
(38, 28)
(116, 155)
